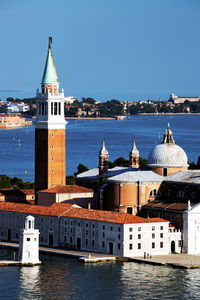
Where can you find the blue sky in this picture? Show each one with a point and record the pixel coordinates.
(122, 49)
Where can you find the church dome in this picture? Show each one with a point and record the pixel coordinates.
(167, 154)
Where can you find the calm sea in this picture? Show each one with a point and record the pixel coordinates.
(63, 278)
(84, 137)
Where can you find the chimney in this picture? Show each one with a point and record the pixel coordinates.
(89, 205)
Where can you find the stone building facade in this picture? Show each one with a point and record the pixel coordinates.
(69, 226)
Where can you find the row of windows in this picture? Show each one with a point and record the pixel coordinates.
(180, 194)
(139, 236)
(140, 228)
(153, 245)
(93, 226)
(55, 108)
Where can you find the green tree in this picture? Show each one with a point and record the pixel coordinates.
(81, 168)
(5, 181)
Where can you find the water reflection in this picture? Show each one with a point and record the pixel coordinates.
(29, 282)
(64, 278)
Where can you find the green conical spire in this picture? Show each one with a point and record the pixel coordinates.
(49, 75)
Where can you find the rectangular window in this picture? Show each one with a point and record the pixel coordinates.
(59, 108)
(86, 224)
(86, 232)
(52, 108)
(92, 233)
(111, 228)
(119, 246)
(161, 244)
(86, 241)
(119, 236)
(130, 229)
(103, 227)
(139, 228)
(161, 235)
(139, 236)
(79, 224)
(153, 227)
(28, 239)
(92, 242)
(103, 234)
(130, 237)
(130, 246)
(103, 244)
(65, 239)
(153, 245)
(119, 229)
(139, 246)
(129, 210)
(70, 239)
(161, 227)
(153, 235)
(180, 243)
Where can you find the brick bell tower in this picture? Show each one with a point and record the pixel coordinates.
(49, 130)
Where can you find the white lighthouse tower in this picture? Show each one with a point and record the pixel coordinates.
(29, 243)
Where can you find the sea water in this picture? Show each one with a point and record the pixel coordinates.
(84, 138)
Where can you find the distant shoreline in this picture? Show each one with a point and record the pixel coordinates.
(86, 118)
(165, 114)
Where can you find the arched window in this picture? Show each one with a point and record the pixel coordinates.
(181, 195)
(193, 195)
(154, 193)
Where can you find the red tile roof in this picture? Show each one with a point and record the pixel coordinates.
(69, 210)
(67, 189)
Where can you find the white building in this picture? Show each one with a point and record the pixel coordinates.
(191, 229)
(69, 226)
(17, 107)
(29, 243)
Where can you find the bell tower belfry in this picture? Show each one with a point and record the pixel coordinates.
(49, 129)
(103, 159)
(134, 156)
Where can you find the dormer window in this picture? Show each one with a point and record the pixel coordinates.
(181, 195)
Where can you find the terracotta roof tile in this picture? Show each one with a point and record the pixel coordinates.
(62, 189)
(68, 210)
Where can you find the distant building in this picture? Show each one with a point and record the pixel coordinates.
(15, 107)
(69, 99)
(12, 121)
(177, 100)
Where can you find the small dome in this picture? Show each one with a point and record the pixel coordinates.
(166, 156)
